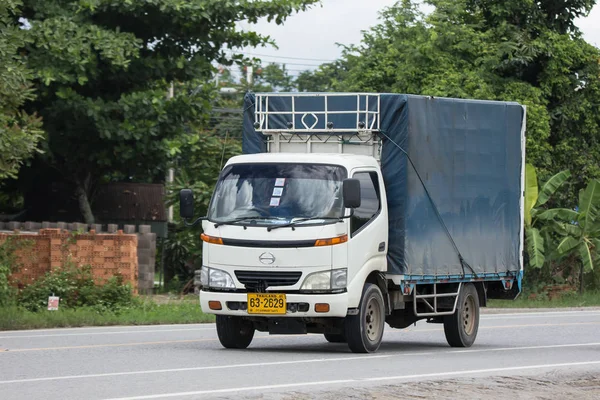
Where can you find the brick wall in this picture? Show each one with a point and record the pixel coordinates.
(104, 251)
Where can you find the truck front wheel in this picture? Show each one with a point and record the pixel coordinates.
(462, 326)
(365, 330)
(234, 332)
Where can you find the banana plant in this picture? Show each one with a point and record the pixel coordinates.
(537, 237)
(579, 229)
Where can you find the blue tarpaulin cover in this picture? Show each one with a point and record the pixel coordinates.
(468, 154)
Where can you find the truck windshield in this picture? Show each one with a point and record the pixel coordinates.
(271, 194)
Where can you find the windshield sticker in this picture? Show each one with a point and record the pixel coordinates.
(275, 201)
(278, 191)
(280, 182)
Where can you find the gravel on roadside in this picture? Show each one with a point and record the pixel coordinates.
(546, 387)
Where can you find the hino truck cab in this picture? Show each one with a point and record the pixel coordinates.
(327, 225)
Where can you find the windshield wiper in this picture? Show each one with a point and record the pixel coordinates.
(294, 223)
(240, 219)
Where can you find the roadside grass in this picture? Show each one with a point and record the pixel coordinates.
(587, 299)
(145, 312)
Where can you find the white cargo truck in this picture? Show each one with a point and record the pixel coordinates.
(352, 210)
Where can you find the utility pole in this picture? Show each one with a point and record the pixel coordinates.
(166, 275)
(249, 75)
(171, 172)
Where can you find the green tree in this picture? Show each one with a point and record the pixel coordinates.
(199, 158)
(272, 77)
(538, 231)
(277, 78)
(580, 229)
(323, 79)
(19, 132)
(103, 68)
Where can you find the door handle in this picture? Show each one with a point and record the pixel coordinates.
(381, 246)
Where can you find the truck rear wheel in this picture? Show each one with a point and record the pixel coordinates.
(365, 330)
(234, 332)
(462, 326)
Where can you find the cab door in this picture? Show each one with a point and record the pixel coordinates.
(368, 233)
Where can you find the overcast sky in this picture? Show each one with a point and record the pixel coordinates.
(310, 38)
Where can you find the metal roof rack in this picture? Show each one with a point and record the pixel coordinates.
(308, 113)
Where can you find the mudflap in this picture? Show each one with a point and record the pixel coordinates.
(497, 290)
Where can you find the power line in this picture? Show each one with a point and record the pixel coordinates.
(289, 58)
(227, 110)
(297, 69)
(292, 63)
(288, 63)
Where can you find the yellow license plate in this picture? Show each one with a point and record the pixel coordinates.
(266, 303)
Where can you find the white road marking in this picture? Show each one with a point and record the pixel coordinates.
(212, 367)
(132, 327)
(276, 363)
(130, 332)
(568, 314)
(218, 391)
(346, 381)
(549, 346)
(483, 371)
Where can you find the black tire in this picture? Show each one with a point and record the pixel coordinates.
(462, 326)
(365, 330)
(234, 332)
(335, 337)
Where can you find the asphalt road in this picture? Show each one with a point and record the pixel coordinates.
(187, 361)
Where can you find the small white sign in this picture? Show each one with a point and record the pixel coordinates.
(53, 303)
(278, 191)
(280, 182)
(275, 201)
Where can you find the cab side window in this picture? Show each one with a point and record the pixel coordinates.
(370, 201)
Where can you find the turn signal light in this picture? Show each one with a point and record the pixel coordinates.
(211, 239)
(322, 307)
(332, 241)
(215, 305)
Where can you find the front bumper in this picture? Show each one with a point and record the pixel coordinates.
(338, 304)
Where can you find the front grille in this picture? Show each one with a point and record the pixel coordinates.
(268, 278)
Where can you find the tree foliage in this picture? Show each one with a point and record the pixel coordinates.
(580, 230)
(275, 78)
(103, 69)
(538, 235)
(199, 159)
(19, 132)
(324, 79)
(561, 234)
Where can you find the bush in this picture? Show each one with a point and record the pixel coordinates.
(8, 264)
(76, 288)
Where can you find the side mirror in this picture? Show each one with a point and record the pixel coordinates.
(351, 193)
(186, 204)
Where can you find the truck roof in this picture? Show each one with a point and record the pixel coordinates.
(347, 160)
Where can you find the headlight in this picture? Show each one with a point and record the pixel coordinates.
(215, 278)
(204, 276)
(339, 278)
(317, 281)
(326, 280)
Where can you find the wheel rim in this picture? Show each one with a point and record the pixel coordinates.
(373, 320)
(468, 315)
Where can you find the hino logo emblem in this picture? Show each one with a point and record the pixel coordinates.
(266, 258)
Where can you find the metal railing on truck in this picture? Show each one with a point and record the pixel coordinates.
(345, 123)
